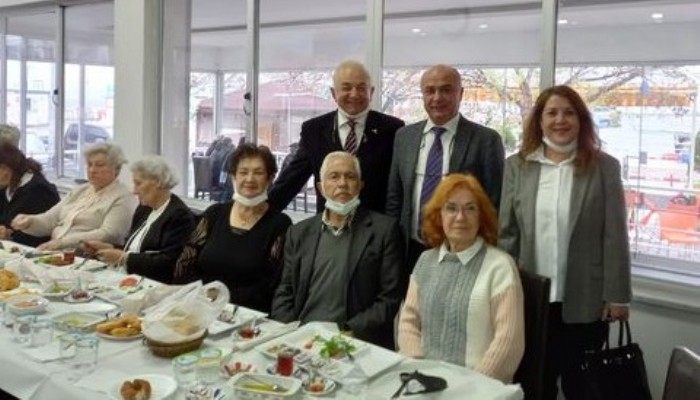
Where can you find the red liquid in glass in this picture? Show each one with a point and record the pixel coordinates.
(285, 363)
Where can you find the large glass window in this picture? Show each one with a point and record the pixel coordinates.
(30, 53)
(499, 86)
(644, 104)
(88, 115)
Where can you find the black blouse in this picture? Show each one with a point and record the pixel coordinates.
(35, 197)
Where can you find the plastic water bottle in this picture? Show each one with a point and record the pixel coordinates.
(354, 383)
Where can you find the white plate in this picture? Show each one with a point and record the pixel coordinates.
(242, 316)
(71, 299)
(40, 304)
(119, 338)
(329, 386)
(162, 386)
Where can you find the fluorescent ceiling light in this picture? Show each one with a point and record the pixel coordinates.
(563, 21)
(416, 30)
(483, 26)
(657, 15)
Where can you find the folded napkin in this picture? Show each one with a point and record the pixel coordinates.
(101, 380)
(268, 335)
(48, 352)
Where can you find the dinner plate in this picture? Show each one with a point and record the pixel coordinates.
(119, 338)
(162, 386)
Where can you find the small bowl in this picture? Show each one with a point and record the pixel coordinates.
(79, 296)
(58, 289)
(27, 304)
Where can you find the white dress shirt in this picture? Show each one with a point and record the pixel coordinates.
(133, 245)
(425, 145)
(344, 126)
(552, 211)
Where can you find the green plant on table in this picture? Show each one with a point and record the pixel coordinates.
(335, 347)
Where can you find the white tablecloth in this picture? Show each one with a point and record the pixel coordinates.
(28, 379)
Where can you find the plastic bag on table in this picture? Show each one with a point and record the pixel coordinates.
(185, 314)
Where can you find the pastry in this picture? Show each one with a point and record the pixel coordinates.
(138, 389)
(8, 280)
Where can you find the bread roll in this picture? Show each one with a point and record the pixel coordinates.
(138, 389)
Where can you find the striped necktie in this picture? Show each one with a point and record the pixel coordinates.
(351, 141)
(433, 172)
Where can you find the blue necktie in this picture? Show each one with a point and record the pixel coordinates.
(433, 171)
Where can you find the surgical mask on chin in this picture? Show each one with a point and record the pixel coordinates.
(559, 148)
(343, 208)
(250, 201)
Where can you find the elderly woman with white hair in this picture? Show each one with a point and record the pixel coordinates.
(160, 227)
(98, 210)
(10, 134)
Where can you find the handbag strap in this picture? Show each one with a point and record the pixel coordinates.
(621, 333)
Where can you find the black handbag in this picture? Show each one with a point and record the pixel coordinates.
(618, 373)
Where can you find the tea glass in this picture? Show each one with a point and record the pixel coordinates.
(42, 332)
(185, 368)
(22, 328)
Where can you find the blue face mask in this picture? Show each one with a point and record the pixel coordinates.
(343, 208)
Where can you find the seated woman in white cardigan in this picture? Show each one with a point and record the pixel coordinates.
(465, 302)
(98, 210)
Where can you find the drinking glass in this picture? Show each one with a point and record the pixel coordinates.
(67, 344)
(23, 328)
(85, 359)
(185, 368)
(42, 332)
(209, 361)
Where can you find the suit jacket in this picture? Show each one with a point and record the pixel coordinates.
(598, 263)
(36, 196)
(477, 150)
(164, 241)
(106, 219)
(373, 292)
(319, 136)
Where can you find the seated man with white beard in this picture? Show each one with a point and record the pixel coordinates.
(345, 264)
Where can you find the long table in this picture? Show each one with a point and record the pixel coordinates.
(25, 378)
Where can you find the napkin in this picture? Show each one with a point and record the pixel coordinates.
(269, 335)
(48, 352)
(101, 380)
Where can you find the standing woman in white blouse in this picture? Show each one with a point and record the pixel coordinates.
(562, 216)
(160, 227)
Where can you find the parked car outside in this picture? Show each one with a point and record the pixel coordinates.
(90, 134)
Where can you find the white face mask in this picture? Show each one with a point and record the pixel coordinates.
(250, 201)
(343, 208)
(560, 148)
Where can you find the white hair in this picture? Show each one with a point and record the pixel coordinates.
(352, 64)
(113, 152)
(10, 134)
(156, 168)
(340, 154)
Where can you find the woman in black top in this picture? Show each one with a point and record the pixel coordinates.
(160, 226)
(240, 243)
(24, 191)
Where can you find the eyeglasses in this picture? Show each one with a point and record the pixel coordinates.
(452, 209)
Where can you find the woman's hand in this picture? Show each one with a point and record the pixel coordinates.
(93, 246)
(5, 232)
(21, 222)
(110, 256)
(49, 246)
(615, 312)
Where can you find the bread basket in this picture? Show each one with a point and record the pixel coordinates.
(170, 350)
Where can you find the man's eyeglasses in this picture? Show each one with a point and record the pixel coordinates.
(452, 209)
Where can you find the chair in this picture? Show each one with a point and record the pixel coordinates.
(203, 185)
(683, 377)
(530, 373)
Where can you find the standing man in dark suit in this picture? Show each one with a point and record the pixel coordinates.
(420, 161)
(354, 128)
(343, 265)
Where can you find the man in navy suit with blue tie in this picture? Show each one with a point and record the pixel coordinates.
(444, 143)
(353, 127)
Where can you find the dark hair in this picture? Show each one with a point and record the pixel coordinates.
(588, 142)
(250, 150)
(17, 162)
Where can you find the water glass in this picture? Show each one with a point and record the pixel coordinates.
(185, 368)
(8, 318)
(209, 362)
(42, 332)
(22, 328)
(85, 359)
(66, 344)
